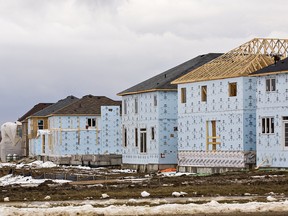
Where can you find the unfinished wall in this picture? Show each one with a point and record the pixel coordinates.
(271, 150)
(233, 118)
(70, 135)
(160, 115)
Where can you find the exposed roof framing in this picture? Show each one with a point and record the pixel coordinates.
(241, 61)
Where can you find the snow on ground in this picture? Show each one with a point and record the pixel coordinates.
(123, 171)
(49, 164)
(176, 174)
(25, 181)
(34, 164)
(212, 207)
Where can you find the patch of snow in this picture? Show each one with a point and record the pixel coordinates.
(132, 201)
(25, 181)
(95, 185)
(213, 203)
(176, 194)
(258, 177)
(49, 164)
(6, 199)
(145, 194)
(7, 165)
(47, 198)
(176, 174)
(271, 199)
(87, 208)
(83, 167)
(179, 194)
(183, 193)
(123, 171)
(104, 196)
(37, 164)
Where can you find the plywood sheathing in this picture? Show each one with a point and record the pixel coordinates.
(241, 61)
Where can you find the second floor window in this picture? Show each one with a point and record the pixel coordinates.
(270, 84)
(125, 107)
(136, 105)
(232, 89)
(155, 100)
(203, 93)
(183, 95)
(40, 124)
(91, 122)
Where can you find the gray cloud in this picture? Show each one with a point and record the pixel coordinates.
(51, 49)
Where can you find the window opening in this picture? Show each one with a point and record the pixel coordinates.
(203, 93)
(232, 89)
(183, 95)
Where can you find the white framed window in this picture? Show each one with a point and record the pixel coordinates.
(270, 84)
(267, 125)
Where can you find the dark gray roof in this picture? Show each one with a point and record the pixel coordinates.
(280, 66)
(88, 105)
(56, 106)
(163, 81)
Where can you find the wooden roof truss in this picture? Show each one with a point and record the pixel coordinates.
(241, 61)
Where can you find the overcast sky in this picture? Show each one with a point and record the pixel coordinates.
(50, 49)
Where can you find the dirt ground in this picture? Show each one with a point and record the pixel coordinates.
(254, 185)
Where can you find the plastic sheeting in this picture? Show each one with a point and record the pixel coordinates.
(11, 142)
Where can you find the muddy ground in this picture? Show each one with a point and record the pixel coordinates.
(90, 184)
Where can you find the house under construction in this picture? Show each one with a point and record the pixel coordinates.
(217, 108)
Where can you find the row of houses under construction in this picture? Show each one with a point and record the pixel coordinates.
(213, 113)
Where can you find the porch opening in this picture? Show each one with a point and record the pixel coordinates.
(211, 136)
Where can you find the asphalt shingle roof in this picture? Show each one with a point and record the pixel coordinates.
(280, 66)
(163, 80)
(88, 105)
(36, 108)
(56, 106)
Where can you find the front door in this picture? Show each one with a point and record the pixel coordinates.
(143, 140)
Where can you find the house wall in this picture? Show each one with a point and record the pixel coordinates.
(235, 123)
(162, 117)
(34, 142)
(69, 135)
(271, 151)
